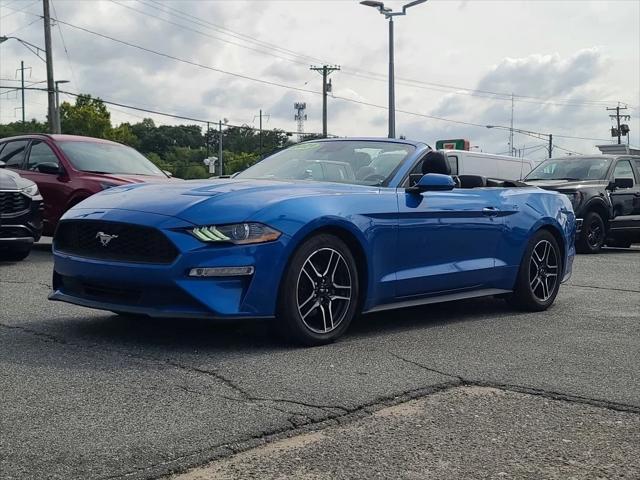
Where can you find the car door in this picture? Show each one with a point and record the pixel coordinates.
(624, 199)
(55, 188)
(447, 240)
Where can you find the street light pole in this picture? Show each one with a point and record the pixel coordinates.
(389, 14)
(392, 84)
(58, 124)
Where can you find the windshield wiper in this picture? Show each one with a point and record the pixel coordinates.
(97, 171)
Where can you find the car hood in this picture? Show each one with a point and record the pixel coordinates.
(121, 178)
(222, 201)
(12, 181)
(566, 184)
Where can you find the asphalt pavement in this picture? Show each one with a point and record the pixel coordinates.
(89, 395)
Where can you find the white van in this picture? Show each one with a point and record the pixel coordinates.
(464, 162)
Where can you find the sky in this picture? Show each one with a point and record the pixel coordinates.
(457, 60)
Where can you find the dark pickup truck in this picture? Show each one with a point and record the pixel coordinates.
(605, 194)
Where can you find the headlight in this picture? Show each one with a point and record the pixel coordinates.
(31, 190)
(238, 233)
(574, 197)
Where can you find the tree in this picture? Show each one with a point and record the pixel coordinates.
(19, 128)
(89, 117)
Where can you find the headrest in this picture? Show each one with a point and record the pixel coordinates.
(435, 162)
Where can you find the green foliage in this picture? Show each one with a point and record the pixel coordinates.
(179, 149)
(236, 162)
(89, 117)
(19, 128)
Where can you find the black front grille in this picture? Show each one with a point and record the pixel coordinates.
(114, 241)
(14, 232)
(13, 202)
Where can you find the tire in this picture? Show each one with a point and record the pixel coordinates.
(319, 292)
(593, 234)
(539, 275)
(14, 255)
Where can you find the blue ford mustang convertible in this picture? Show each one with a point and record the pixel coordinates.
(313, 236)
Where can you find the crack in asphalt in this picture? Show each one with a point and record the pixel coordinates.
(24, 282)
(603, 288)
(567, 397)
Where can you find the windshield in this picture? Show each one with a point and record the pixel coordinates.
(108, 158)
(571, 169)
(343, 161)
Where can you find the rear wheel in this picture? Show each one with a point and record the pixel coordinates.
(539, 275)
(319, 292)
(593, 234)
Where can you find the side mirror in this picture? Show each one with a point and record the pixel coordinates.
(2, 164)
(49, 167)
(620, 183)
(432, 182)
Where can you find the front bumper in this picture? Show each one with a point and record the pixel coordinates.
(166, 290)
(22, 229)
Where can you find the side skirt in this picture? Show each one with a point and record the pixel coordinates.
(438, 299)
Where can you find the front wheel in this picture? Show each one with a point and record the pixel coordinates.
(539, 275)
(593, 234)
(319, 292)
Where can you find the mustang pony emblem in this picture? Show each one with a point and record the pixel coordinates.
(105, 238)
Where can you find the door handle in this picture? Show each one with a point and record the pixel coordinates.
(490, 211)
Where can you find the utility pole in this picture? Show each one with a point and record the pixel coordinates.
(618, 131)
(22, 87)
(220, 169)
(207, 139)
(53, 126)
(550, 145)
(325, 71)
(511, 148)
(260, 133)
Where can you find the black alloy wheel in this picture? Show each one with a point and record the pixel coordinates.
(593, 234)
(319, 291)
(539, 275)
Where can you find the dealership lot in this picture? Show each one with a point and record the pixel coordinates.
(86, 394)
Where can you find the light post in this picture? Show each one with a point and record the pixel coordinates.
(58, 127)
(529, 133)
(389, 14)
(33, 48)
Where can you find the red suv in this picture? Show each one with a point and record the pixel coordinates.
(68, 168)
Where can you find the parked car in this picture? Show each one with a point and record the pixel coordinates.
(464, 162)
(20, 215)
(68, 169)
(605, 194)
(299, 237)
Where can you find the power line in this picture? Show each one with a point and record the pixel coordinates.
(18, 10)
(261, 51)
(64, 45)
(457, 90)
(156, 112)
